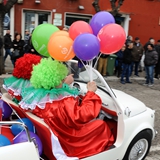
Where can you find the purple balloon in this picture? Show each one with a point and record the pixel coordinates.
(22, 137)
(6, 109)
(99, 20)
(86, 46)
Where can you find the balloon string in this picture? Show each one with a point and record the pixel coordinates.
(90, 66)
(85, 66)
(97, 60)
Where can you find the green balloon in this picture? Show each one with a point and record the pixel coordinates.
(41, 36)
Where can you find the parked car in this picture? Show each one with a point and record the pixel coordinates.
(131, 120)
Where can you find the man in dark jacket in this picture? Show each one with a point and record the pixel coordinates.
(7, 45)
(157, 67)
(137, 53)
(127, 61)
(151, 59)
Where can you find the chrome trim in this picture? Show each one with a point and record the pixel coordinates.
(19, 123)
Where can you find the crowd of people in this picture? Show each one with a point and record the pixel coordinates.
(131, 59)
(134, 58)
(17, 47)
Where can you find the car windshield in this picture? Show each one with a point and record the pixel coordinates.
(81, 73)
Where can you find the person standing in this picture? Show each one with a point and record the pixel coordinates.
(31, 48)
(151, 59)
(137, 53)
(127, 61)
(8, 46)
(18, 45)
(102, 64)
(26, 40)
(157, 67)
(119, 60)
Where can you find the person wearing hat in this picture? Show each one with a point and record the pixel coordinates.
(71, 117)
(137, 53)
(151, 59)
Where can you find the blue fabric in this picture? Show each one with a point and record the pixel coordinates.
(149, 74)
(126, 72)
(8, 52)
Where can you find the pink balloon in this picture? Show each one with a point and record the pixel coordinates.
(78, 28)
(112, 37)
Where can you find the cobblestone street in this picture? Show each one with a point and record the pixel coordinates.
(149, 95)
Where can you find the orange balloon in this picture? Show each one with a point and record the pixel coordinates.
(60, 33)
(61, 48)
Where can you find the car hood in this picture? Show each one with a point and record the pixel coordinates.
(130, 103)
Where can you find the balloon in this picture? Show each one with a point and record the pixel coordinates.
(7, 132)
(86, 46)
(99, 20)
(78, 28)
(112, 37)
(61, 48)
(41, 36)
(16, 128)
(4, 141)
(60, 33)
(6, 109)
(22, 137)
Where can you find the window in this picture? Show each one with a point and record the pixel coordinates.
(71, 17)
(33, 19)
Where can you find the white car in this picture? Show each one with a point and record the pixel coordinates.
(133, 122)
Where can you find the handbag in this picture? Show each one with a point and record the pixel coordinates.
(15, 53)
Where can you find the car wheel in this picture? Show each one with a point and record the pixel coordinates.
(139, 147)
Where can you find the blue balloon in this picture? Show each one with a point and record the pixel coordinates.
(4, 141)
(16, 128)
(86, 46)
(22, 137)
(99, 20)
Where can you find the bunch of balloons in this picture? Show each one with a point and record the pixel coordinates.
(16, 134)
(83, 40)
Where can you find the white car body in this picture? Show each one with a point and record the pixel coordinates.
(133, 118)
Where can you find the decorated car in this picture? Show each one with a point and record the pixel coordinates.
(70, 120)
(130, 121)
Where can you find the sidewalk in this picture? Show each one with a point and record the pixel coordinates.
(9, 69)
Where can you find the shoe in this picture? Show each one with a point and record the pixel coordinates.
(123, 82)
(140, 70)
(137, 75)
(150, 85)
(128, 82)
(104, 76)
(145, 84)
(156, 77)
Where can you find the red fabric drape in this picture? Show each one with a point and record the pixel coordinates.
(79, 133)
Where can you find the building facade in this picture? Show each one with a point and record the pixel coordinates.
(143, 17)
(140, 18)
(26, 15)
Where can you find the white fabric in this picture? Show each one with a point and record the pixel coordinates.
(57, 149)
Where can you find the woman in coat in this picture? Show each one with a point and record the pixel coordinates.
(17, 45)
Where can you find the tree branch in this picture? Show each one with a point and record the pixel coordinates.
(113, 4)
(96, 5)
(9, 5)
(120, 3)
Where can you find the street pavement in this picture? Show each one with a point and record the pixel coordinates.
(149, 95)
